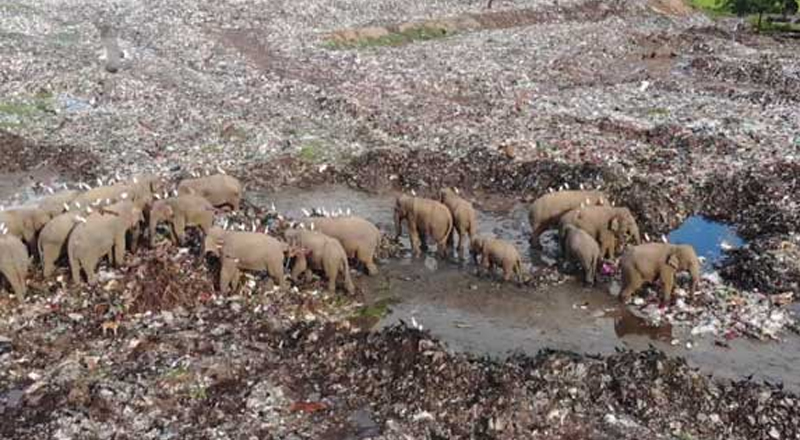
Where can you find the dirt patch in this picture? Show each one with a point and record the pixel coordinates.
(21, 155)
(403, 33)
(766, 72)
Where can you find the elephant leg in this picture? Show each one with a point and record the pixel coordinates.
(508, 270)
(180, 229)
(631, 283)
(49, 257)
(461, 244)
(236, 279)
(414, 236)
(667, 276)
(119, 250)
(172, 237)
(368, 260)
(135, 234)
(331, 274)
(275, 272)
(536, 230)
(90, 267)
(75, 267)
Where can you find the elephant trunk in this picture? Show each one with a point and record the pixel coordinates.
(694, 271)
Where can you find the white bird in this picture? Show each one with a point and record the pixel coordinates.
(78, 205)
(89, 210)
(157, 196)
(550, 189)
(123, 196)
(456, 190)
(108, 201)
(305, 212)
(581, 186)
(266, 229)
(48, 189)
(339, 212)
(116, 176)
(99, 182)
(254, 227)
(66, 207)
(588, 202)
(64, 185)
(566, 185)
(175, 193)
(646, 237)
(413, 193)
(272, 207)
(664, 238)
(208, 173)
(415, 324)
(96, 202)
(348, 212)
(311, 226)
(135, 180)
(80, 219)
(193, 173)
(220, 170)
(166, 194)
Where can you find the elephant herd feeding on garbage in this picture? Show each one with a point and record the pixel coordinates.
(105, 221)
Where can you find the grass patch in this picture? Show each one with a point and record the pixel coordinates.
(658, 111)
(312, 151)
(417, 33)
(768, 27)
(713, 8)
(378, 309)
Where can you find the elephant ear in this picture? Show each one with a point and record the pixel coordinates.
(613, 225)
(673, 261)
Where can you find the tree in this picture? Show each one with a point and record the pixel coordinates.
(760, 7)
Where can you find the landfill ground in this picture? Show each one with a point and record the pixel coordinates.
(672, 113)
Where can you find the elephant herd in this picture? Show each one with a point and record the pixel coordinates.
(105, 221)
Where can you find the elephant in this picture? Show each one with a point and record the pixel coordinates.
(319, 252)
(53, 237)
(495, 252)
(597, 219)
(55, 204)
(359, 238)
(14, 263)
(180, 212)
(95, 238)
(245, 250)
(548, 209)
(465, 220)
(25, 223)
(425, 218)
(581, 247)
(219, 189)
(132, 211)
(650, 262)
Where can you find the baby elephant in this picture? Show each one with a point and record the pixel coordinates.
(219, 189)
(319, 252)
(14, 262)
(494, 252)
(245, 250)
(651, 262)
(465, 220)
(180, 212)
(579, 246)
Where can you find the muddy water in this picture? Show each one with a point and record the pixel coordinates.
(485, 317)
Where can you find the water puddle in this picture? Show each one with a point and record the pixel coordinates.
(485, 317)
(708, 237)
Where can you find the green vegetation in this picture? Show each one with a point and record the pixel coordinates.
(658, 111)
(417, 33)
(753, 9)
(312, 151)
(378, 309)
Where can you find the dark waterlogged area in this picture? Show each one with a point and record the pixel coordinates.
(482, 316)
